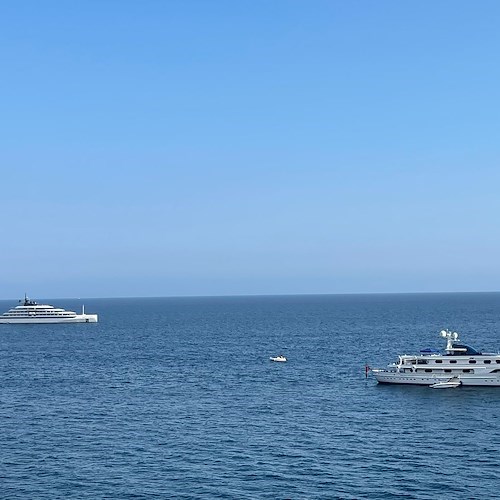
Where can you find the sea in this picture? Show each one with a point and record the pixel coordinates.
(177, 398)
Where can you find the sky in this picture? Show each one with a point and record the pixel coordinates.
(195, 147)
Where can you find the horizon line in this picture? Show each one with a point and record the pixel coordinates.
(262, 295)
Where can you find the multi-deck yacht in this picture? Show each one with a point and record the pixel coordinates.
(29, 311)
(458, 361)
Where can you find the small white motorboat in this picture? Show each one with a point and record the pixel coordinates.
(280, 358)
(447, 384)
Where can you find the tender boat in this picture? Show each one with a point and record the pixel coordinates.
(280, 359)
(30, 311)
(448, 384)
(431, 367)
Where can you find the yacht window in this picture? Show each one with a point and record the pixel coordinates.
(472, 361)
(497, 361)
(428, 370)
(439, 360)
(447, 370)
(487, 361)
(453, 360)
(466, 370)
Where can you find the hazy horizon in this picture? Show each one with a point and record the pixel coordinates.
(4, 299)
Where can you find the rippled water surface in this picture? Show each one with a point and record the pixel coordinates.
(177, 398)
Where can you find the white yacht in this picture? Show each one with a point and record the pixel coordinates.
(458, 361)
(452, 383)
(279, 359)
(28, 311)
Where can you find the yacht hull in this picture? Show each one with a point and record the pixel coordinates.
(413, 379)
(79, 318)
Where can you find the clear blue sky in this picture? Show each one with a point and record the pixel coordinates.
(157, 148)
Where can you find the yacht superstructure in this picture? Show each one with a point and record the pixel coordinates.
(459, 361)
(29, 311)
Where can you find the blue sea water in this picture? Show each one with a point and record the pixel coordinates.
(177, 398)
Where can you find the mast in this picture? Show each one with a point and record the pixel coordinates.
(450, 337)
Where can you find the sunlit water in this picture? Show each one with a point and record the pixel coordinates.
(177, 398)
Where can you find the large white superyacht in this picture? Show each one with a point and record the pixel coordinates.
(30, 311)
(459, 362)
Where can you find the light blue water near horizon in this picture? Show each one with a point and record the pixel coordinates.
(177, 398)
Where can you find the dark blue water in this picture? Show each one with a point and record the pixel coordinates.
(177, 398)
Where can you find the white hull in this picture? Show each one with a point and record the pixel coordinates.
(79, 318)
(414, 379)
(446, 385)
(279, 359)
